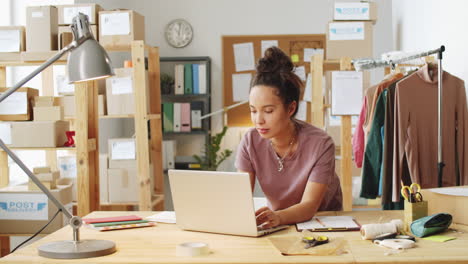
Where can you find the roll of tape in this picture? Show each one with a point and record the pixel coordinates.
(192, 249)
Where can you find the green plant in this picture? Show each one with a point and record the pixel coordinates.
(211, 159)
(167, 83)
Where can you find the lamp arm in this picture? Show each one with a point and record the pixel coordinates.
(224, 109)
(38, 70)
(35, 179)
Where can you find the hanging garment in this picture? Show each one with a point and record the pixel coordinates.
(415, 129)
(358, 136)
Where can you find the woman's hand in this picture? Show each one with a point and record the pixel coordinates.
(266, 218)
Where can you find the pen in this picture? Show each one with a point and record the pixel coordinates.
(320, 222)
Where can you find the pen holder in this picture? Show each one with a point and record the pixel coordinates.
(414, 211)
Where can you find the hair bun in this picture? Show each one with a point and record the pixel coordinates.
(275, 61)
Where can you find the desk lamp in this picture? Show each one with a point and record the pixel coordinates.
(87, 60)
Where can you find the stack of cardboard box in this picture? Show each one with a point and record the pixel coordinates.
(66, 13)
(118, 28)
(350, 34)
(122, 174)
(47, 177)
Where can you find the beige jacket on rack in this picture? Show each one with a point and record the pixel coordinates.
(416, 133)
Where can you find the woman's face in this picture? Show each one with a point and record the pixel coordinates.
(267, 111)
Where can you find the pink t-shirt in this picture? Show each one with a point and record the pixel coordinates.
(313, 160)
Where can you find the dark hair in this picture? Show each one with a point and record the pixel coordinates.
(275, 69)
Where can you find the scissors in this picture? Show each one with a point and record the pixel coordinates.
(412, 193)
(314, 241)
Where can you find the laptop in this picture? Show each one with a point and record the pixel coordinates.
(215, 202)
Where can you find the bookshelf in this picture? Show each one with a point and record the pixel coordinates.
(168, 66)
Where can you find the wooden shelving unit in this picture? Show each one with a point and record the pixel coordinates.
(318, 66)
(148, 130)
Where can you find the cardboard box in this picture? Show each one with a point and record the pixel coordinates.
(48, 113)
(46, 101)
(41, 28)
(18, 106)
(103, 178)
(124, 184)
(50, 185)
(355, 11)
(40, 134)
(37, 170)
(64, 39)
(120, 92)
(66, 13)
(52, 176)
(117, 29)
(12, 39)
(25, 212)
(67, 30)
(68, 104)
(349, 39)
(454, 204)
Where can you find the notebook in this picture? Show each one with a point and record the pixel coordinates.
(329, 223)
(111, 219)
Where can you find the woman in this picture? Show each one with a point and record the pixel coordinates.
(293, 161)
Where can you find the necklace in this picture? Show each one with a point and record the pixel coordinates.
(278, 158)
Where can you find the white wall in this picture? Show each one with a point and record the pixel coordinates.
(211, 19)
(420, 25)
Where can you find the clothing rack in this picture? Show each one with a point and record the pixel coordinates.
(367, 64)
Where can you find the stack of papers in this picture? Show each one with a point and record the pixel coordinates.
(118, 222)
(329, 223)
(167, 217)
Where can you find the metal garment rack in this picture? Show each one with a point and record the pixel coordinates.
(367, 64)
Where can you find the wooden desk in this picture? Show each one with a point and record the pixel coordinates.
(157, 245)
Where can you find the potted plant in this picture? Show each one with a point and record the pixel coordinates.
(167, 84)
(211, 159)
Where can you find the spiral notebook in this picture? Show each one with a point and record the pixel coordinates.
(329, 223)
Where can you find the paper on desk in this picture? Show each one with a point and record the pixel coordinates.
(268, 43)
(167, 217)
(241, 86)
(244, 56)
(451, 191)
(346, 92)
(318, 222)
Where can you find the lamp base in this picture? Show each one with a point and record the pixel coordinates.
(75, 250)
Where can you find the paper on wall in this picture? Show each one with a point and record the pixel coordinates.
(23, 206)
(241, 86)
(123, 150)
(244, 56)
(70, 12)
(346, 31)
(15, 104)
(300, 71)
(268, 43)
(308, 89)
(115, 23)
(302, 111)
(308, 53)
(5, 132)
(122, 85)
(63, 85)
(10, 40)
(346, 92)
